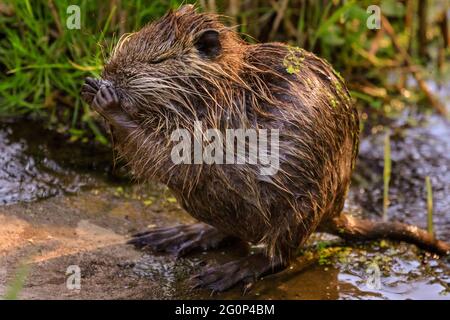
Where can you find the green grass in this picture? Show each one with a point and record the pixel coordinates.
(15, 287)
(386, 174)
(429, 205)
(45, 66)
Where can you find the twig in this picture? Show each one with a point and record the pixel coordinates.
(422, 35)
(233, 10)
(280, 13)
(356, 229)
(212, 6)
(55, 16)
(376, 42)
(437, 105)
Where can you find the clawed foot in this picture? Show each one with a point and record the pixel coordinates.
(90, 89)
(180, 240)
(246, 270)
(102, 97)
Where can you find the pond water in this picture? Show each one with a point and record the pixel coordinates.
(60, 206)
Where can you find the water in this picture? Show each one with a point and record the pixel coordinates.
(416, 152)
(36, 163)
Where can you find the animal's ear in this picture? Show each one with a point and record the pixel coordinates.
(187, 8)
(208, 43)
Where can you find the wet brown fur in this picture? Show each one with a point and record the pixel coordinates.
(164, 84)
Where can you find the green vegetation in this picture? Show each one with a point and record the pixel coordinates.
(15, 287)
(429, 205)
(293, 60)
(44, 63)
(386, 174)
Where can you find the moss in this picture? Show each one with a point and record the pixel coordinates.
(343, 255)
(338, 87)
(147, 202)
(332, 100)
(333, 103)
(339, 76)
(171, 199)
(327, 255)
(293, 60)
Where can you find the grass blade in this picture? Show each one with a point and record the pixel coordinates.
(386, 173)
(15, 287)
(429, 205)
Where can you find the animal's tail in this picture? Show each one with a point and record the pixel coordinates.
(352, 228)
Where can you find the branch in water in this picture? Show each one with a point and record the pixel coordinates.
(352, 228)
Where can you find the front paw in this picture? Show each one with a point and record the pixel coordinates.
(90, 89)
(107, 104)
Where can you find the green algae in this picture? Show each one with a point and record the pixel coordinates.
(293, 60)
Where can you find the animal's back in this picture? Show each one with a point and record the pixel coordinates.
(318, 139)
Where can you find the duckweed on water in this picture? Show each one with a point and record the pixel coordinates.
(148, 202)
(327, 254)
(171, 199)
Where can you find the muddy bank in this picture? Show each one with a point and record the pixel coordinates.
(62, 207)
(37, 163)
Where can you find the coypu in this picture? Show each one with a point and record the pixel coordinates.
(188, 67)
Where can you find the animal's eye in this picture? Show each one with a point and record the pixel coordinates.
(157, 60)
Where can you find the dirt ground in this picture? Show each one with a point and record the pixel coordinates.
(56, 233)
(90, 230)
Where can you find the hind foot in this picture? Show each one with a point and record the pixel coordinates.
(246, 270)
(181, 239)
